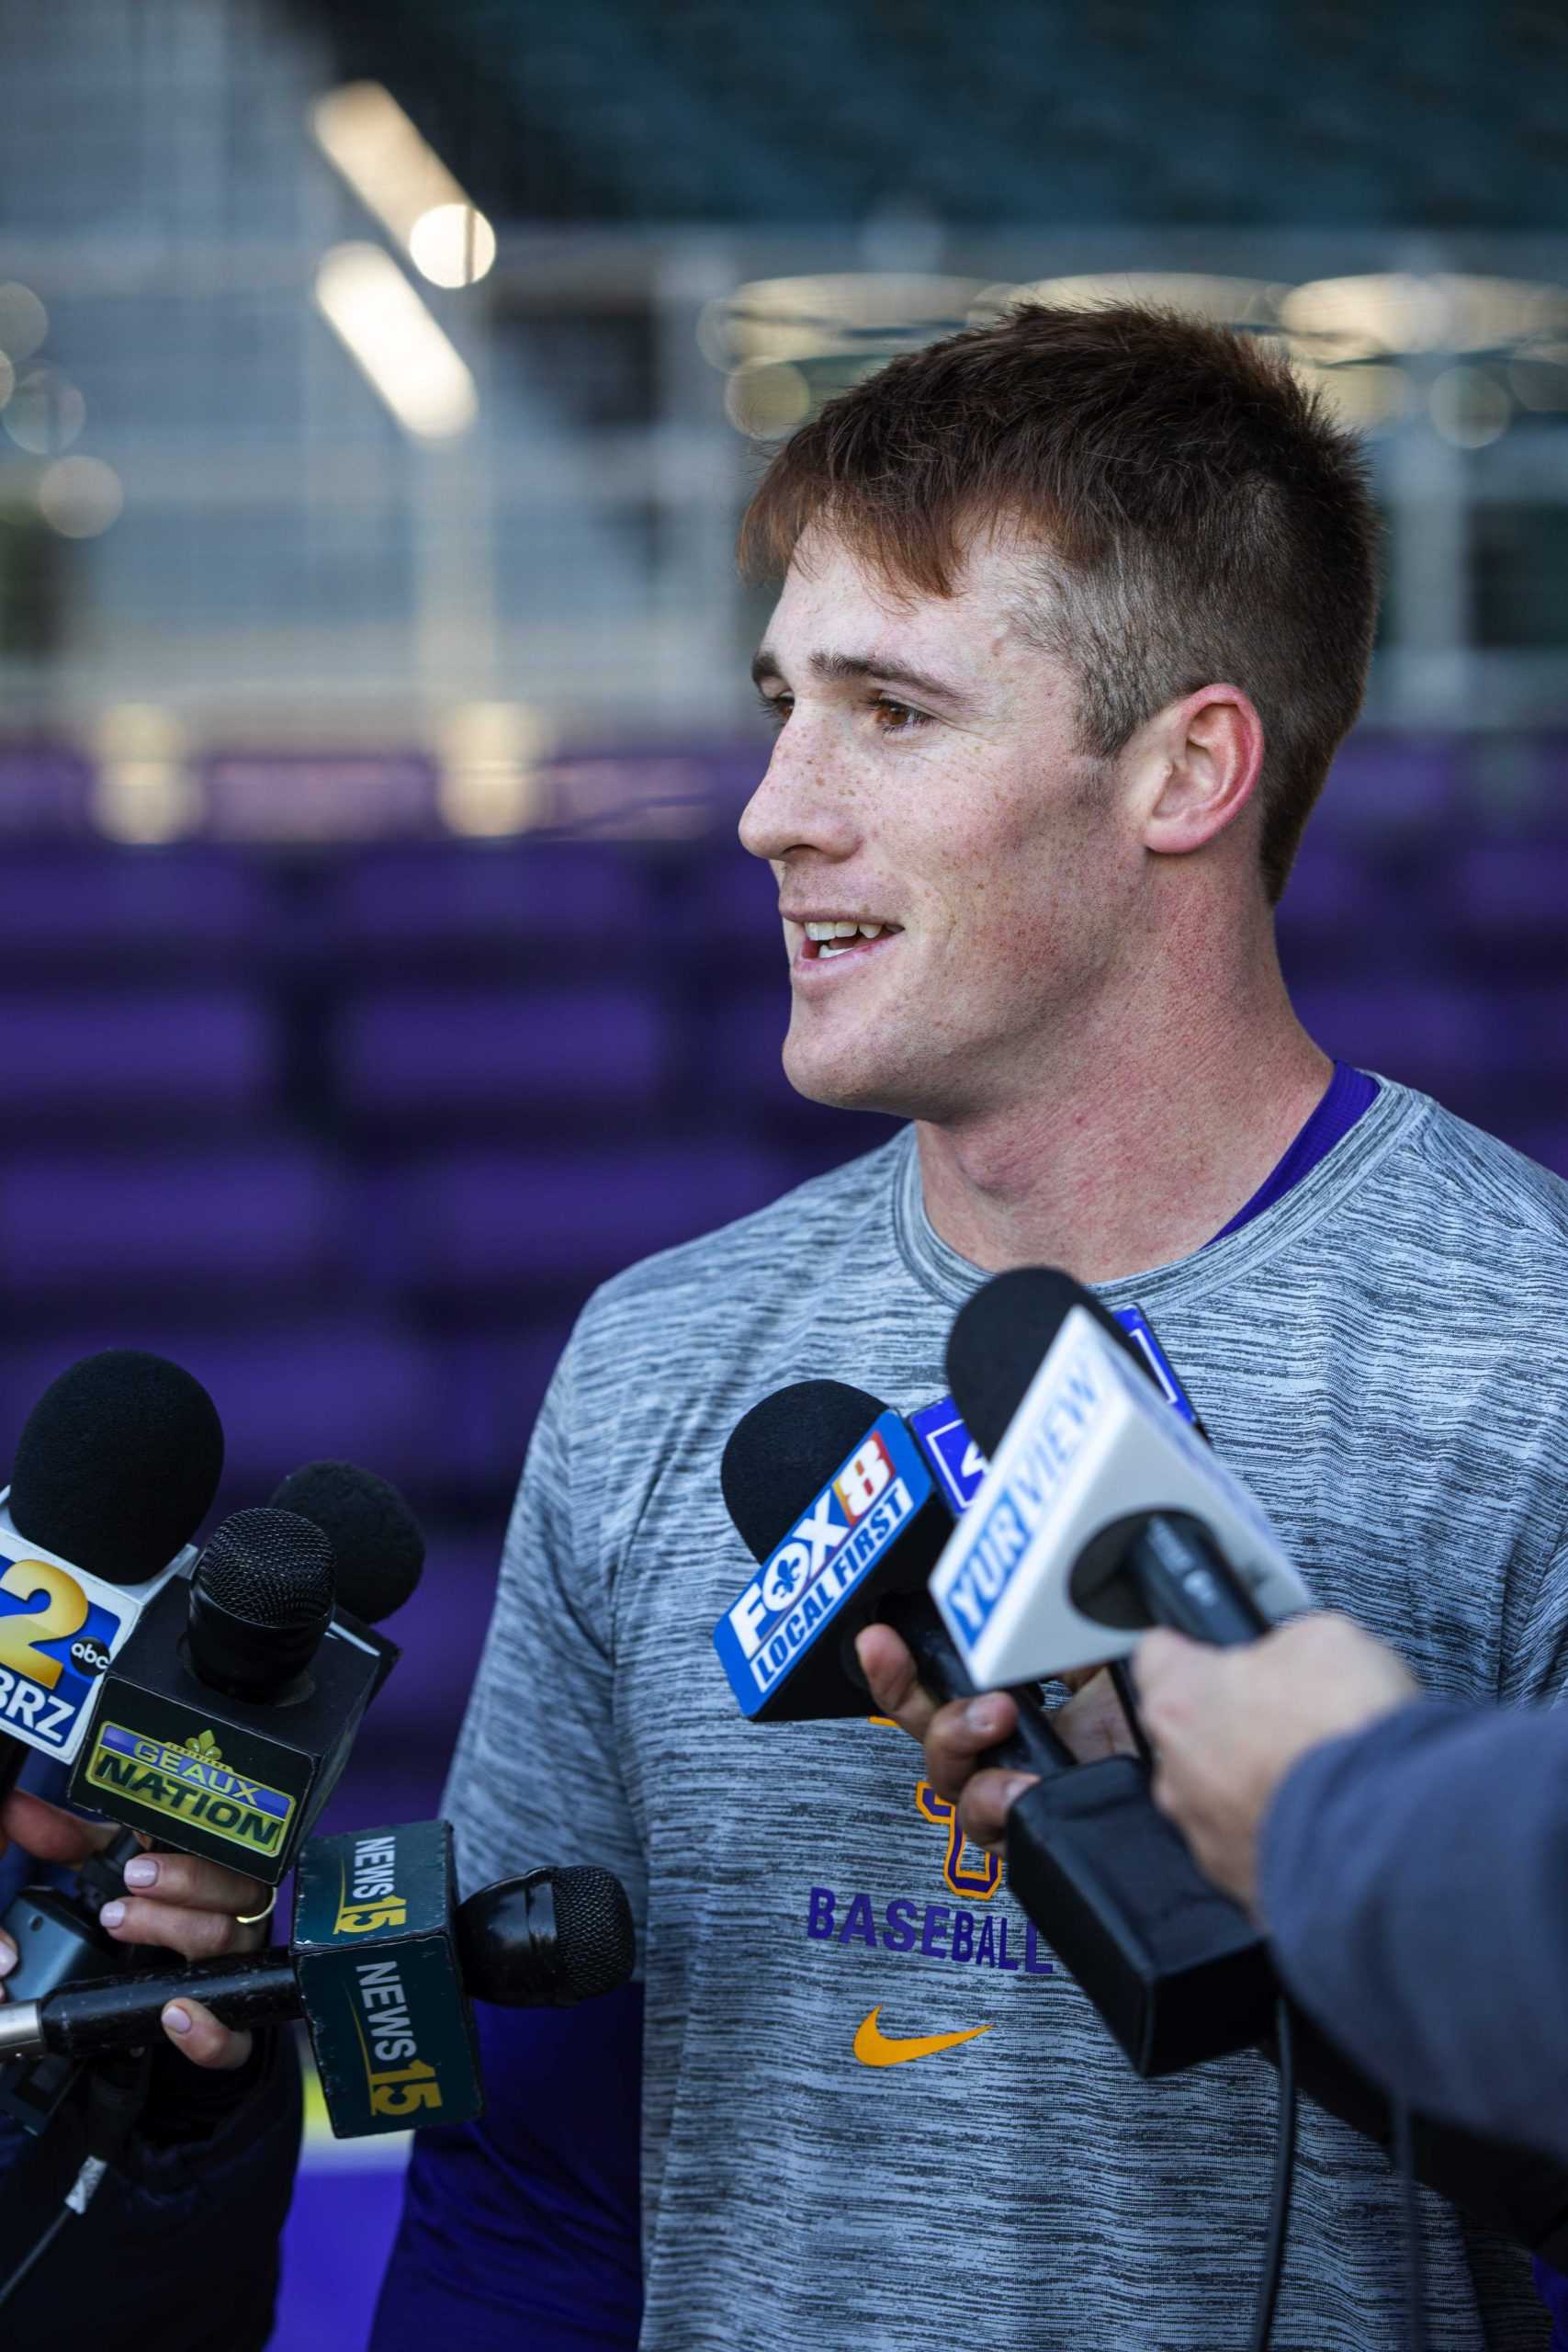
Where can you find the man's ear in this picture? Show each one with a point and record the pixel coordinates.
(1206, 755)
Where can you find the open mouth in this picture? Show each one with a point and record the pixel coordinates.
(840, 941)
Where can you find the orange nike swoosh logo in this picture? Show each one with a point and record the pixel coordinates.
(874, 2048)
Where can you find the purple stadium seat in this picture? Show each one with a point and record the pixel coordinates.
(142, 1053)
(483, 1224)
(45, 791)
(1508, 899)
(743, 1043)
(492, 1384)
(1437, 1037)
(228, 1220)
(735, 905)
(1334, 913)
(1389, 784)
(588, 900)
(90, 905)
(288, 1392)
(500, 1053)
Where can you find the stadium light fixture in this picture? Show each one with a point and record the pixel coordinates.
(366, 136)
(80, 497)
(490, 784)
(144, 791)
(404, 356)
(24, 321)
(1197, 294)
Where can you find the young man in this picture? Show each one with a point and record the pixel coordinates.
(1075, 612)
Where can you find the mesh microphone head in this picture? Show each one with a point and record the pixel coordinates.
(781, 1454)
(261, 1600)
(593, 1930)
(1000, 1338)
(555, 1937)
(116, 1464)
(377, 1547)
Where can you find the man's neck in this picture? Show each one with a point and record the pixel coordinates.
(1147, 1132)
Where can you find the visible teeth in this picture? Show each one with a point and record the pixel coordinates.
(824, 931)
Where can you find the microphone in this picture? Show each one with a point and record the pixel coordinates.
(228, 1717)
(1175, 1972)
(384, 1984)
(377, 1545)
(831, 1494)
(115, 1470)
(377, 1549)
(1166, 2007)
(1102, 1513)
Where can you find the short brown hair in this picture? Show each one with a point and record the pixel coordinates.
(1202, 517)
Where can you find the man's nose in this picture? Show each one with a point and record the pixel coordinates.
(800, 804)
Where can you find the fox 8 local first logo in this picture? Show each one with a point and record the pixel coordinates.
(818, 1537)
(831, 1550)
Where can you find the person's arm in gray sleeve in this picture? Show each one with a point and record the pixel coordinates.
(522, 2226)
(1414, 1880)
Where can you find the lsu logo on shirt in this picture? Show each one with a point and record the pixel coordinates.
(829, 1551)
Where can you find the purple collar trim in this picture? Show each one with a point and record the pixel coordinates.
(1350, 1092)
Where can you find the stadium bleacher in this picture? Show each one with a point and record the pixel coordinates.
(843, 107)
(422, 1096)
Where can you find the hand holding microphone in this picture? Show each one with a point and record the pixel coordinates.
(1228, 1725)
(960, 1736)
(171, 1901)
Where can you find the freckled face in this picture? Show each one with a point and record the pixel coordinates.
(926, 778)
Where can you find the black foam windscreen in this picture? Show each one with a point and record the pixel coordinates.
(377, 1545)
(117, 1464)
(781, 1454)
(1000, 1337)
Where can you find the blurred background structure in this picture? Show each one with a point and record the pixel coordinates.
(379, 389)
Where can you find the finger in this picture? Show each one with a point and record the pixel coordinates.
(199, 2036)
(1158, 1656)
(50, 1833)
(985, 1804)
(960, 1733)
(7, 1957)
(195, 1935)
(1094, 1721)
(891, 1676)
(193, 1884)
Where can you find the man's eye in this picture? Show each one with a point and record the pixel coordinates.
(777, 706)
(897, 717)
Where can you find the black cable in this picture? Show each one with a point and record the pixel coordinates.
(41, 2246)
(1284, 2180)
(1415, 2266)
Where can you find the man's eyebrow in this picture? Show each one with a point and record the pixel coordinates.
(838, 667)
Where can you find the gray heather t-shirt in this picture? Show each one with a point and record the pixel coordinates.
(1380, 1355)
